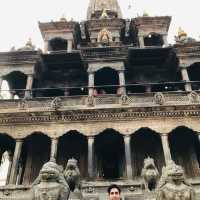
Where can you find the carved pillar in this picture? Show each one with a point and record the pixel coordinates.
(29, 85)
(122, 82)
(165, 40)
(129, 170)
(1, 81)
(185, 77)
(10, 158)
(141, 41)
(166, 149)
(91, 156)
(54, 147)
(46, 46)
(69, 46)
(15, 162)
(91, 83)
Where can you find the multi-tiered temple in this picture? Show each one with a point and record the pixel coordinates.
(107, 91)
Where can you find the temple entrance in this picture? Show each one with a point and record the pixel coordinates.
(153, 39)
(7, 147)
(185, 150)
(73, 145)
(105, 77)
(57, 44)
(146, 143)
(109, 151)
(35, 152)
(193, 73)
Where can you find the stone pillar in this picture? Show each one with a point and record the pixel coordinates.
(166, 149)
(185, 77)
(29, 85)
(10, 158)
(91, 83)
(1, 81)
(54, 148)
(46, 46)
(15, 162)
(122, 82)
(141, 41)
(69, 46)
(127, 143)
(165, 40)
(91, 157)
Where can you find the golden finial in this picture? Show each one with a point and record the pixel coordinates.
(104, 14)
(145, 13)
(181, 32)
(63, 18)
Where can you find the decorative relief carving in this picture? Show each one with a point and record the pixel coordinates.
(193, 97)
(159, 98)
(90, 101)
(124, 100)
(56, 103)
(23, 104)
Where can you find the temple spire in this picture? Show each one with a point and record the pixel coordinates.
(97, 6)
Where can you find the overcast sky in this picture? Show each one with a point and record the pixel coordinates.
(19, 18)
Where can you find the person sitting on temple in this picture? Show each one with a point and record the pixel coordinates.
(114, 192)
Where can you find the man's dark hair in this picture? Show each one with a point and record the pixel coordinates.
(113, 186)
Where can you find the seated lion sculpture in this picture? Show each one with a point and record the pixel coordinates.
(150, 174)
(50, 184)
(173, 185)
(72, 177)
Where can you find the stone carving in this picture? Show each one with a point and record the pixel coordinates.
(50, 184)
(173, 185)
(124, 99)
(72, 176)
(159, 98)
(182, 37)
(28, 46)
(23, 104)
(56, 103)
(90, 101)
(104, 37)
(194, 97)
(150, 174)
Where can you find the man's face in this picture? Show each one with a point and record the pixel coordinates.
(114, 194)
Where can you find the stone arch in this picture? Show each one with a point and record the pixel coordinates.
(193, 73)
(185, 148)
(35, 152)
(57, 44)
(7, 148)
(153, 39)
(73, 144)
(106, 81)
(146, 142)
(109, 155)
(17, 82)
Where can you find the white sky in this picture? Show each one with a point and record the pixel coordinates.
(19, 18)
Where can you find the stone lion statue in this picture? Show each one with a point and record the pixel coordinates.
(173, 185)
(50, 184)
(150, 174)
(72, 177)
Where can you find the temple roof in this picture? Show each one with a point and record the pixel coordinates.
(100, 5)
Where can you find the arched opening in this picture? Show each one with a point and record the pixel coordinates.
(57, 44)
(153, 39)
(17, 83)
(193, 72)
(109, 152)
(185, 150)
(7, 148)
(146, 143)
(106, 76)
(73, 145)
(35, 152)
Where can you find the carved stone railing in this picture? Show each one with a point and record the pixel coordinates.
(100, 101)
(104, 52)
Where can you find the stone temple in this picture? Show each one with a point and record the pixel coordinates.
(109, 92)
